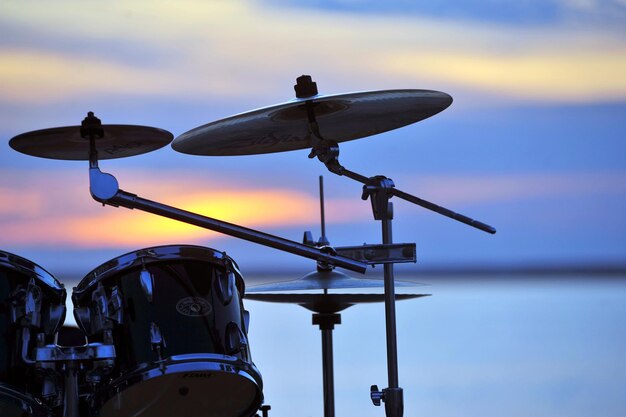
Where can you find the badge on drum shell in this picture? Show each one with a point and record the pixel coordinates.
(194, 307)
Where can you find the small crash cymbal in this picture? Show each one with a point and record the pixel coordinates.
(284, 127)
(327, 303)
(118, 141)
(325, 280)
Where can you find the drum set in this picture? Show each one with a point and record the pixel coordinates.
(163, 330)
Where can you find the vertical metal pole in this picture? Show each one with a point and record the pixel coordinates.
(394, 403)
(329, 378)
(70, 406)
(327, 322)
(322, 215)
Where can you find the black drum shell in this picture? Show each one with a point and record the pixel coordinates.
(17, 404)
(15, 274)
(195, 304)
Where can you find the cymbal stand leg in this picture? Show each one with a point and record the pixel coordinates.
(327, 324)
(70, 403)
(379, 194)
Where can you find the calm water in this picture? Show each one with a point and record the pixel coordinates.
(523, 348)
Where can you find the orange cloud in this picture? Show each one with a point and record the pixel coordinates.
(32, 213)
(109, 227)
(202, 49)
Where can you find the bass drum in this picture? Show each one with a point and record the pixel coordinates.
(176, 319)
(32, 307)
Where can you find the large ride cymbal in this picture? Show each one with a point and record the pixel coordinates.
(327, 303)
(66, 142)
(325, 280)
(285, 127)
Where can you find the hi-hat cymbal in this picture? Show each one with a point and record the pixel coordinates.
(327, 303)
(66, 142)
(325, 280)
(284, 127)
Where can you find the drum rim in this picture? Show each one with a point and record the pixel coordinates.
(35, 404)
(180, 363)
(151, 255)
(29, 268)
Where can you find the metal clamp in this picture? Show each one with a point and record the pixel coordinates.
(379, 190)
(380, 253)
(26, 305)
(103, 311)
(90, 352)
(376, 395)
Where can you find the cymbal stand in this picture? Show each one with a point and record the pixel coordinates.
(379, 189)
(327, 322)
(105, 189)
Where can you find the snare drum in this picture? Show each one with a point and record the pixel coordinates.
(32, 308)
(176, 319)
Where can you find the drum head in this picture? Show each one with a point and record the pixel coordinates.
(199, 389)
(16, 404)
(147, 256)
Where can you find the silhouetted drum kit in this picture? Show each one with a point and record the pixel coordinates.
(162, 331)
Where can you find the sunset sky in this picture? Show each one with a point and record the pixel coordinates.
(533, 144)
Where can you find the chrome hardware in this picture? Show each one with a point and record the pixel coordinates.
(380, 253)
(25, 345)
(54, 362)
(32, 303)
(158, 345)
(156, 340)
(236, 340)
(26, 311)
(225, 284)
(246, 320)
(103, 312)
(56, 316)
(147, 281)
(90, 352)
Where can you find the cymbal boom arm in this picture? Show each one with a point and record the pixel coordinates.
(105, 189)
(327, 151)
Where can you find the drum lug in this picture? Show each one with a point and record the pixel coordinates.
(116, 305)
(83, 319)
(32, 307)
(158, 343)
(225, 284)
(236, 340)
(56, 316)
(147, 282)
(28, 312)
(107, 310)
(246, 320)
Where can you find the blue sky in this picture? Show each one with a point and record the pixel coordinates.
(533, 145)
